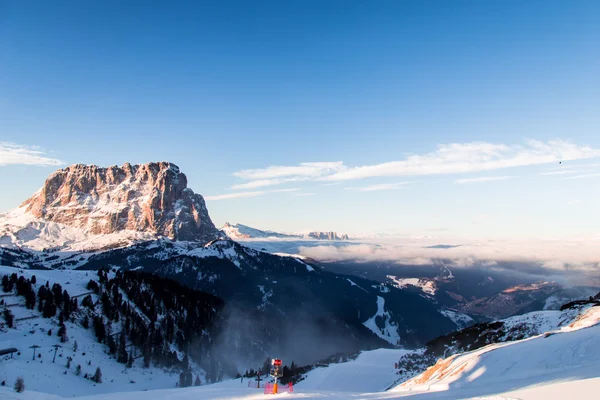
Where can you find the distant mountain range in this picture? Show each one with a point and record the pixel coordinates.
(242, 232)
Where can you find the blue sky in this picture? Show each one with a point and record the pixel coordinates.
(451, 93)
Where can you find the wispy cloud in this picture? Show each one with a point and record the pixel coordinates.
(309, 169)
(376, 188)
(238, 195)
(305, 194)
(258, 184)
(584, 176)
(285, 190)
(455, 158)
(564, 172)
(472, 157)
(568, 171)
(482, 179)
(573, 202)
(266, 182)
(18, 154)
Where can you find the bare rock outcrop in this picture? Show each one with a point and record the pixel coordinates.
(152, 198)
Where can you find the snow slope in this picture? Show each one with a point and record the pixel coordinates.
(461, 320)
(45, 376)
(372, 371)
(389, 332)
(426, 285)
(569, 353)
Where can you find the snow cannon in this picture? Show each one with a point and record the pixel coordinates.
(276, 372)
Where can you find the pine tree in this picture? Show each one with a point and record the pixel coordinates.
(182, 379)
(122, 356)
(5, 284)
(19, 385)
(9, 317)
(41, 297)
(69, 363)
(97, 376)
(62, 333)
(75, 347)
(112, 345)
(130, 361)
(197, 383)
(147, 355)
(30, 299)
(100, 329)
(49, 307)
(33, 280)
(78, 370)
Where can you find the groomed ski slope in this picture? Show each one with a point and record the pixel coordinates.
(372, 371)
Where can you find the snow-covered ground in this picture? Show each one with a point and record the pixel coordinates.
(372, 371)
(461, 320)
(426, 285)
(389, 332)
(569, 353)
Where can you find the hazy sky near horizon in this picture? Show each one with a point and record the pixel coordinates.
(419, 117)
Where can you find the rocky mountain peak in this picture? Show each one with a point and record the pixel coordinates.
(328, 236)
(152, 198)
